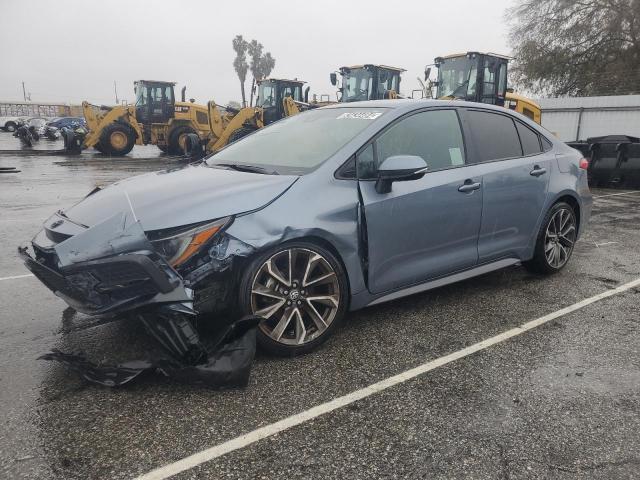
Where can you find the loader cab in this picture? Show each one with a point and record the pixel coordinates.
(474, 76)
(155, 101)
(368, 82)
(272, 91)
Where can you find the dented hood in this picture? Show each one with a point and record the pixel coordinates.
(172, 198)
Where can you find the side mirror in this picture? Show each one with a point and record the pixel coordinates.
(427, 73)
(399, 168)
(334, 78)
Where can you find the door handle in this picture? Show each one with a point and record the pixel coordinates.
(469, 187)
(537, 171)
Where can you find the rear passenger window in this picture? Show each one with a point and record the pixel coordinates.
(434, 135)
(529, 139)
(546, 144)
(494, 135)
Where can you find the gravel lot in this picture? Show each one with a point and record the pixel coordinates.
(560, 401)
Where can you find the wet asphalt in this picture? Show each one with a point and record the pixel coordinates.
(561, 401)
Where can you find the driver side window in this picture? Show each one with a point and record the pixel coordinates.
(434, 135)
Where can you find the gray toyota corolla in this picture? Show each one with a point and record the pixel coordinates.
(328, 211)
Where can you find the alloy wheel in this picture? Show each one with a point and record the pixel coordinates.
(297, 292)
(560, 238)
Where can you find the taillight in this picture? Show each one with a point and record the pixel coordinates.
(583, 164)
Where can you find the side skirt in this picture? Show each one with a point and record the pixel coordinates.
(456, 277)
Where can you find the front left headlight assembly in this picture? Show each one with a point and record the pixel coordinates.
(179, 248)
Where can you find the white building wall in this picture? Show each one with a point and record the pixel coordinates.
(610, 115)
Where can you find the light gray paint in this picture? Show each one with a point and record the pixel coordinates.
(422, 231)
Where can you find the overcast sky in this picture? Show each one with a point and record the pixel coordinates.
(74, 50)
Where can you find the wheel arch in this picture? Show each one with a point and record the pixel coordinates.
(573, 200)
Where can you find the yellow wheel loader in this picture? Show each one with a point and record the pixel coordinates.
(479, 77)
(277, 98)
(367, 82)
(156, 118)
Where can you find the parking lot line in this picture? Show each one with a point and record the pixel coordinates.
(616, 194)
(15, 277)
(247, 439)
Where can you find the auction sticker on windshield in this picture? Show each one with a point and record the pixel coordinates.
(359, 115)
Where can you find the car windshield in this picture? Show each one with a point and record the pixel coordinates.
(298, 144)
(456, 77)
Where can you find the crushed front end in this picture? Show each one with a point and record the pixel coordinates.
(166, 279)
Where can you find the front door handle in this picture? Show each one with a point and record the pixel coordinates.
(537, 171)
(468, 186)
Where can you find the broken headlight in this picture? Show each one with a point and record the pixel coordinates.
(177, 248)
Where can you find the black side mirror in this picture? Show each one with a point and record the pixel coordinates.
(427, 73)
(334, 78)
(306, 94)
(399, 168)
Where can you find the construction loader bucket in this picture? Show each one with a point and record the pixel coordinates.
(614, 161)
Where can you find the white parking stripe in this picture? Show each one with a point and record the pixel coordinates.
(616, 194)
(302, 417)
(15, 277)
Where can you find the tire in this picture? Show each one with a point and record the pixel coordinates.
(552, 251)
(163, 148)
(240, 133)
(10, 126)
(325, 293)
(175, 143)
(116, 140)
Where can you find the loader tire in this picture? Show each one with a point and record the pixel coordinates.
(240, 133)
(177, 137)
(116, 140)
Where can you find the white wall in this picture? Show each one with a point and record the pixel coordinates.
(609, 115)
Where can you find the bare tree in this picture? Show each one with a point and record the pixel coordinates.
(240, 64)
(586, 47)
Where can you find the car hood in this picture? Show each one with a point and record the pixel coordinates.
(173, 198)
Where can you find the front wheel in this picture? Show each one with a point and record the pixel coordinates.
(10, 126)
(116, 140)
(300, 289)
(555, 241)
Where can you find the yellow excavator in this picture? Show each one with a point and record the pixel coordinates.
(184, 127)
(367, 82)
(277, 98)
(479, 77)
(156, 118)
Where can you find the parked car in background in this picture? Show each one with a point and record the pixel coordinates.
(331, 210)
(9, 124)
(38, 124)
(62, 122)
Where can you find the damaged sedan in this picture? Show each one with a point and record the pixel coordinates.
(324, 212)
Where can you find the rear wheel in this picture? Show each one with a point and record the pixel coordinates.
(300, 289)
(10, 126)
(177, 138)
(555, 241)
(116, 140)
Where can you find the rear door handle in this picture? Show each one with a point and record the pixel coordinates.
(537, 171)
(469, 187)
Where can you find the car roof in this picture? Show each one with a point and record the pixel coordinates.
(408, 104)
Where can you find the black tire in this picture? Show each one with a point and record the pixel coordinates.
(10, 126)
(163, 148)
(540, 263)
(240, 133)
(176, 138)
(266, 342)
(116, 140)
